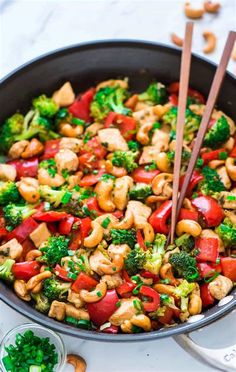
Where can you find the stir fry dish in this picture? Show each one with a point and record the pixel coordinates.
(85, 195)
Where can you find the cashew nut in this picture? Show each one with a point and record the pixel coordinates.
(166, 273)
(29, 189)
(120, 191)
(112, 281)
(210, 42)
(211, 7)
(103, 190)
(148, 232)
(127, 327)
(7, 172)
(142, 321)
(112, 267)
(161, 185)
(33, 254)
(195, 304)
(96, 295)
(224, 177)
(142, 135)
(69, 130)
(115, 171)
(164, 288)
(132, 101)
(229, 145)
(35, 280)
(64, 96)
(93, 129)
(231, 168)
(162, 162)
(34, 147)
(113, 83)
(95, 237)
(45, 179)
(176, 40)
(127, 221)
(193, 13)
(21, 290)
(77, 362)
(17, 148)
(213, 164)
(188, 226)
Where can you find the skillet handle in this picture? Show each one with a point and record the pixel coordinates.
(220, 359)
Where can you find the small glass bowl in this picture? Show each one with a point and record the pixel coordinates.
(39, 331)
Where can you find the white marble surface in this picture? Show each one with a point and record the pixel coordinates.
(30, 28)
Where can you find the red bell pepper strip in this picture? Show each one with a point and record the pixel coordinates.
(25, 270)
(80, 108)
(126, 124)
(112, 330)
(3, 232)
(155, 297)
(212, 155)
(141, 175)
(167, 318)
(195, 179)
(126, 277)
(193, 93)
(76, 240)
(91, 179)
(187, 214)
(22, 231)
(101, 311)
(210, 210)
(95, 146)
(147, 274)
(125, 289)
(62, 273)
(51, 148)
(25, 168)
(173, 99)
(50, 216)
(66, 224)
(206, 296)
(208, 249)
(81, 233)
(159, 217)
(232, 154)
(92, 205)
(207, 271)
(229, 267)
(84, 281)
(140, 240)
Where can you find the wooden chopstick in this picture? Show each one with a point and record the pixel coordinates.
(214, 91)
(183, 95)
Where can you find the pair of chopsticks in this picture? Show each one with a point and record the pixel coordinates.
(177, 199)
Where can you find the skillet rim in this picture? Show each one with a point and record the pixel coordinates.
(27, 310)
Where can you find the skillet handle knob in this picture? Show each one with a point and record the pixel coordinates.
(221, 359)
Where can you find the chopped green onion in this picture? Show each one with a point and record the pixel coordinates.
(77, 121)
(231, 197)
(66, 197)
(99, 294)
(223, 155)
(106, 222)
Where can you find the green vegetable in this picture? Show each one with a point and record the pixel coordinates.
(55, 249)
(10, 128)
(218, 134)
(192, 121)
(46, 106)
(6, 270)
(124, 237)
(55, 290)
(15, 214)
(8, 193)
(184, 289)
(227, 232)
(212, 183)
(155, 94)
(42, 303)
(135, 260)
(134, 146)
(82, 323)
(184, 265)
(106, 222)
(52, 196)
(140, 191)
(185, 156)
(30, 351)
(109, 99)
(185, 242)
(125, 159)
(50, 166)
(155, 254)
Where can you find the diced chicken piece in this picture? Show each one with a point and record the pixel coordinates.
(161, 140)
(75, 299)
(113, 83)
(125, 311)
(76, 313)
(66, 159)
(140, 211)
(40, 235)
(146, 115)
(96, 259)
(17, 149)
(73, 144)
(11, 249)
(121, 249)
(7, 172)
(228, 199)
(149, 154)
(113, 139)
(220, 287)
(224, 177)
(57, 310)
(93, 129)
(64, 96)
(112, 281)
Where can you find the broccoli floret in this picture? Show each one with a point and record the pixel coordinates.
(55, 249)
(124, 237)
(42, 303)
(54, 197)
(184, 265)
(134, 146)
(212, 183)
(109, 99)
(227, 233)
(184, 289)
(5, 270)
(50, 166)
(155, 254)
(156, 94)
(218, 134)
(15, 214)
(74, 207)
(125, 159)
(135, 260)
(185, 242)
(8, 193)
(55, 290)
(10, 128)
(192, 121)
(140, 192)
(46, 106)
